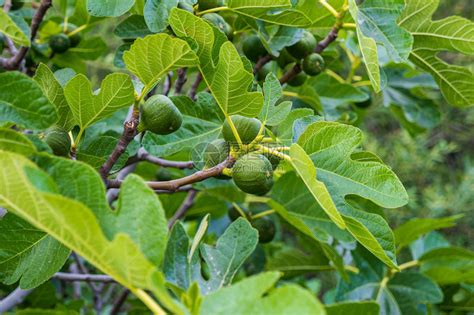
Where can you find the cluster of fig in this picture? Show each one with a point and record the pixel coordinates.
(302, 52)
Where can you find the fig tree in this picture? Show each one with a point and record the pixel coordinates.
(159, 115)
(253, 174)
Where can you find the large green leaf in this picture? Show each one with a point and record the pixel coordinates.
(399, 295)
(27, 253)
(55, 93)
(224, 259)
(247, 297)
(109, 7)
(448, 265)
(116, 92)
(306, 170)
(156, 13)
(132, 27)
(330, 146)
(22, 101)
(152, 57)
(10, 140)
(220, 64)
(147, 225)
(455, 34)
(10, 29)
(413, 229)
(201, 124)
(76, 226)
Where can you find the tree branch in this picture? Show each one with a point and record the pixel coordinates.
(180, 81)
(129, 132)
(261, 62)
(187, 203)
(143, 155)
(290, 74)
(119, 302)
(328, 39)
(194, 87)
(15, 61)
(13, 299)
(83, 277)
(167, 84)
(175, 184)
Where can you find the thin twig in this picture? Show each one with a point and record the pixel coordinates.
(327, 40)
(194, 87)
(187, 203)
(167, 84)
(143, 155)
(83, 277)
(180, 81)
(175, 184)
(95, 288)
(13, 299)
(129, 132)
(15, 61)
(332, 35)
(290, 74)
(112, 194)
(119, 302)
(180, 189)
(7, 6)
(261, 62)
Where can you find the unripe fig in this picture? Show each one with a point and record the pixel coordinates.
(313, 64)
(266, 230)
(304, 46)
(253, 174)
(59, 43)
(247, 128)
(159, 115)
(58, 140)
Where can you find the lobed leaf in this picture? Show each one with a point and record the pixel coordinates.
(109, 8)
(55, 93)
(220, 64)
(23, 102)
(152, 57)
(454, 34)
(116, 92)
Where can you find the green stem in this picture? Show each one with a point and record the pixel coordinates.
(239, 210)
(282, 156)
(234, 131)
(218, 9)
(262, 214)
(409, 264)
(148, 301)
